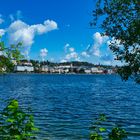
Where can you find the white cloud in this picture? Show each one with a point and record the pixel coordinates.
(106, 57)
(16, 16)
(85, 54)
(66, 47)
(71, 49)
(2, 32)
(20, 31)
(11, 17)
(43, 53)
(114, 41)
(70, 54)
(52, 59)
(99, 50)
(1, 19)
(96, 51)
(108, 42)
(95, 48)
(107, 62)
(99, 40)
(63, 61)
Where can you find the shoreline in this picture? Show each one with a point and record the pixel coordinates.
(56, 74)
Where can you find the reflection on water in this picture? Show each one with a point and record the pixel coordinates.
(64, 106)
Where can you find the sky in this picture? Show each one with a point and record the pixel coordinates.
(54, 30)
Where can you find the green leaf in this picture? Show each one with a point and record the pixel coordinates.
(16, 124)
(102, 129)
(10, 120)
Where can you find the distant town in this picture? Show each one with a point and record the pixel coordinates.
(76, 67)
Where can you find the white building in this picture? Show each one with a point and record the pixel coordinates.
(110, 71)
(65, 66)
(88, 71)
(45, 68)
(24, 67)
(96, 70)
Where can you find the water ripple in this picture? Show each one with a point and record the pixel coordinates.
(65, 106)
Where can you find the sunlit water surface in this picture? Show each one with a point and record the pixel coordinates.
(65, 106)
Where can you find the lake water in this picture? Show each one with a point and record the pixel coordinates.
(65, 106)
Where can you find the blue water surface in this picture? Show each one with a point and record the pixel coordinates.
(65, 106)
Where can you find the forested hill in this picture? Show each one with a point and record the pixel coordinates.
(74, 63)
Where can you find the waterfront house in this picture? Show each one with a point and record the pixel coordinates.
(94, 70)
(24, 67)
(87, 71)
(110, 71)
(97, 70)
(45, 68)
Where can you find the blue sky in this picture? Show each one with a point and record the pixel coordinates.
(56, 30)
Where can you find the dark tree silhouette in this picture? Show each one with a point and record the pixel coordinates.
(121, 22)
